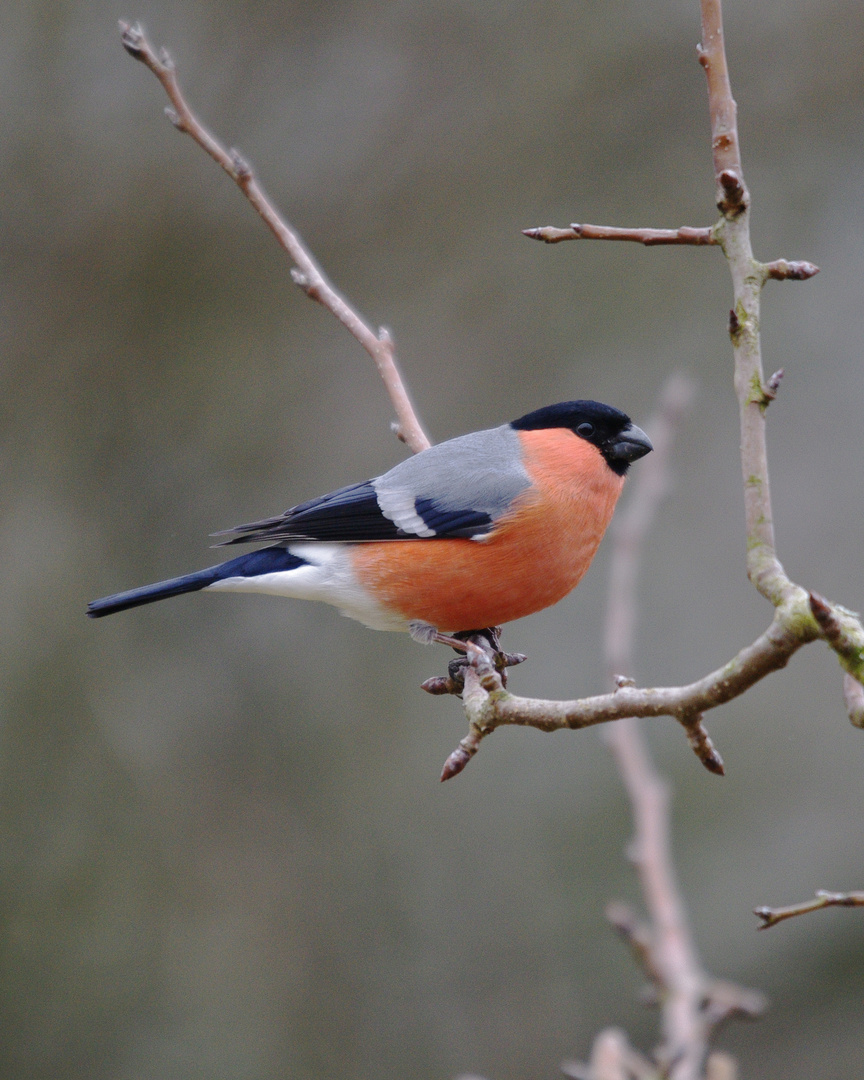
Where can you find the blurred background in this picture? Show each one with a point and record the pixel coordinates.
(225, 850)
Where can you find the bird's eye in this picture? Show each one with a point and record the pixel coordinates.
(585, 430)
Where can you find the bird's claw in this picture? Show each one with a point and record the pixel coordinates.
(488, 640)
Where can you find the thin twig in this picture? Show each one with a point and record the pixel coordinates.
(307, 274)
(732, 195)
(772, 916)
(733, 232)
(649, 237)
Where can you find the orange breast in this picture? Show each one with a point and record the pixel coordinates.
(536, 554)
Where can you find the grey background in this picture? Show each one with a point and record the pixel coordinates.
(225, 849)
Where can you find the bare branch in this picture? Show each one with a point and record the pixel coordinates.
(768, 653)
(732, 233)
(732, 196)
(701, 744)
(772, 916)
(483, 684)
(307, 274)
(798, 619)
(490, 706)
(649, 237)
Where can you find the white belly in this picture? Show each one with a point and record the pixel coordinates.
(326, 576)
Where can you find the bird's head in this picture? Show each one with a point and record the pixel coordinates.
(614, 434)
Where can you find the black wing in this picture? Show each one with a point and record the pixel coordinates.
(353, 514)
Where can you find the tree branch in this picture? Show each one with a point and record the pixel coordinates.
(649, 237)
(799, 616)
(489, 706)
(306, 273)
(732, 194)
(772, 916)
(794, 624)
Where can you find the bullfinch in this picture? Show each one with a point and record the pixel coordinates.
(468, 534)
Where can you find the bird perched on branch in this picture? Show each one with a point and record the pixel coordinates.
(471, 533)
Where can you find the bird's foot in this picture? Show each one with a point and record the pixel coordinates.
(488, 641)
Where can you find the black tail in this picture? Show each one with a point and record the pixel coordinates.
(266, 561)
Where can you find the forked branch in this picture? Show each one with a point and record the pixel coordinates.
(489, 706)
(796, 621)
(799, 616)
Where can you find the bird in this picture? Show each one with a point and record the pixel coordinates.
(470, 533)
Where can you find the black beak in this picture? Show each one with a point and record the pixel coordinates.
(629, 446)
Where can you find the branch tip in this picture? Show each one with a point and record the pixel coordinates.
(549, 234)
(463, 753)
(132, 39)
(784, 270)
(771, 916)
(702, 746)
(513, 659)
(773, 384)
(729, 180)
(649, 237)
(767, 917)
(438, 684)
